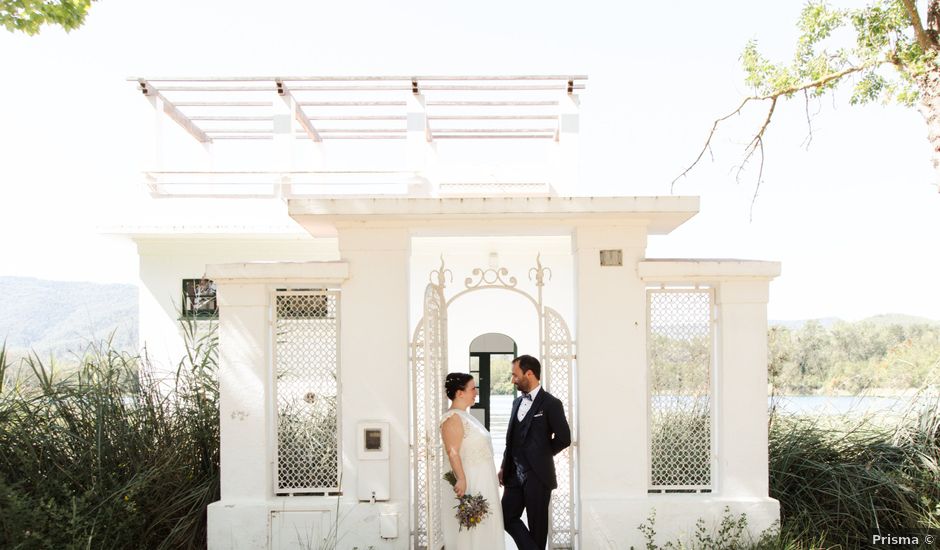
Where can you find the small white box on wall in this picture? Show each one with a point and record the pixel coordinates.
(373, 464)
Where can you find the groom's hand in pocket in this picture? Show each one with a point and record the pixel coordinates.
(499, 476)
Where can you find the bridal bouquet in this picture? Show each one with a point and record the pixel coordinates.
(471, 509)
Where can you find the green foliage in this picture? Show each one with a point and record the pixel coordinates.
(853, 357)
(837, 484)
(30, 15)
(841, 481)
(884, 59)
(108, 456)
(730, 533)
(501, 375)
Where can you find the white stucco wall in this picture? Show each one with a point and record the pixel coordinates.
(381, 303)
(165, 261)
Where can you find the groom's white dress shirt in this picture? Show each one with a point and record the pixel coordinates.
(526, 404)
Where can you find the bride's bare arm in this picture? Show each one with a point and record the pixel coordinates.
(452, 433)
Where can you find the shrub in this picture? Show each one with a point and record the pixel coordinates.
(110, 457)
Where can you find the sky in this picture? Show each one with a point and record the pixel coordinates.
(853, 217)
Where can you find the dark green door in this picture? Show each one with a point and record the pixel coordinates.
(480, 370)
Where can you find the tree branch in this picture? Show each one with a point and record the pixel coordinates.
(925, 41)
(758, 141)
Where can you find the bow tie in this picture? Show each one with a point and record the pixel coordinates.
(527, 396)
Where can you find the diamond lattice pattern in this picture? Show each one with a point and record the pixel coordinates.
(306, 388)
(680, 419)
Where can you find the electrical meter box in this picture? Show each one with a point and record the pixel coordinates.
(372, 455)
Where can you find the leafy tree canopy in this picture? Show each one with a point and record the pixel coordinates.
(30, 15)
(886, 50)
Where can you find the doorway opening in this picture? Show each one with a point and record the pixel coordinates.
(491, 358)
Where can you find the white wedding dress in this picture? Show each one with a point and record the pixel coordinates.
(476, 455)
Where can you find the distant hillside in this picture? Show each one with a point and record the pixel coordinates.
(899, 319)
(884, 319)
(826, 322)
(60, 317)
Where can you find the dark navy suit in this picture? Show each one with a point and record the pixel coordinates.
(529, 468)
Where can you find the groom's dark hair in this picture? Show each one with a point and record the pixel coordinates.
(527, 362)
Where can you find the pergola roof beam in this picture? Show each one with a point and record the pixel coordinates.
(352, 103)
(173, 112)
(363, 78)
(492, 103)
(493, 136)
(471, 106)
(223, 103)
(358, 117)
(299, 114)
(493, 130)
(232, 118)
(493, 117)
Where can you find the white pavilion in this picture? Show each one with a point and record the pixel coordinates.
(356, 238)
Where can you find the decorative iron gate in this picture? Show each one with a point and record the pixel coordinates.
(429, 357)
(429, 365)
(680, 343)
(558, 363)
(306, 391)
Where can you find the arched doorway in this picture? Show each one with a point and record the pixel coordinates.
(429, 364)
(491, 356)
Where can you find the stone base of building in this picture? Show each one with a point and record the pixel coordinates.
(304, 522)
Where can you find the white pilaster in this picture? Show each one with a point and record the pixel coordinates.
(742, 388)
(243, 391)
(374, 348)
(611, 340)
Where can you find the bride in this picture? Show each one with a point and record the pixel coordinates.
(470, 452)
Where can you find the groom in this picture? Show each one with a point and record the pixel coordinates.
(537, 432)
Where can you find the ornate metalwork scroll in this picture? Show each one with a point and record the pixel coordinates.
(679, 349)
(306, 388)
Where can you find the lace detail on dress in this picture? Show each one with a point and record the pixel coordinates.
(476, 444)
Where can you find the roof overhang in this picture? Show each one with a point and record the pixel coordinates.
(493, 215)
(670, 270)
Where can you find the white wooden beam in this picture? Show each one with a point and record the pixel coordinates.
(172, 111)
(298, 112)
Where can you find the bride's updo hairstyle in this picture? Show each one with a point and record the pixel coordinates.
(455, 382)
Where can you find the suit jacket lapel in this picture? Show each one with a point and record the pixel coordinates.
(512, 418)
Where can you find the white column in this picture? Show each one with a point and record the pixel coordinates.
(565, 151)
(420, 153)
(741, 394)
(611, 350)
(284, 125)
(243, 391)
(374, 348)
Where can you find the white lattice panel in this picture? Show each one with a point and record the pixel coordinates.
(558, 362)
(680, 343)
(429, 348)
(306, 386)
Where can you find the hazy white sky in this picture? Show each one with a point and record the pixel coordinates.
(853, 218)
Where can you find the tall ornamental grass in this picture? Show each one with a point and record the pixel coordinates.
(847, 481)
(107, 456)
